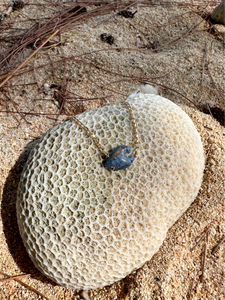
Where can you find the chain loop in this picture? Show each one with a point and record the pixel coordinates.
(96, 139)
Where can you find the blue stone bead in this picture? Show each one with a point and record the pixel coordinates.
(117, 160)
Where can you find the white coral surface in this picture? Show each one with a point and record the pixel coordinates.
(85, 226)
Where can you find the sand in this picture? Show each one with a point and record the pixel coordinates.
(191, 66)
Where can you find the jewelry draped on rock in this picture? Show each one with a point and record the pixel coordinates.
(115, 159)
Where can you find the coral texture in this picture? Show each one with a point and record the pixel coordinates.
(85, 226)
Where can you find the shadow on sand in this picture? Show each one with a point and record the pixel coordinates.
(9, 220)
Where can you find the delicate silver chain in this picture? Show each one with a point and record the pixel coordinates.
(96, 139)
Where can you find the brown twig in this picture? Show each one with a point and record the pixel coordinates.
(14, 277)
(174, 41)
(204, 64)
(26, 285)
(205, 59)
(27, 59)
(215, 248)
(201, 277)
(143, 80)
(209, 109)
(34, 114)
(190, 289)
(206, 230)
(215, 85)
(59, 21)
(147, 80)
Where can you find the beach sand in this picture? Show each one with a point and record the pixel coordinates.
(188, 65)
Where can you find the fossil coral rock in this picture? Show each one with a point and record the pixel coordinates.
(85, 226)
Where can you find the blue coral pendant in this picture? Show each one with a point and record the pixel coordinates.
(117, 160)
